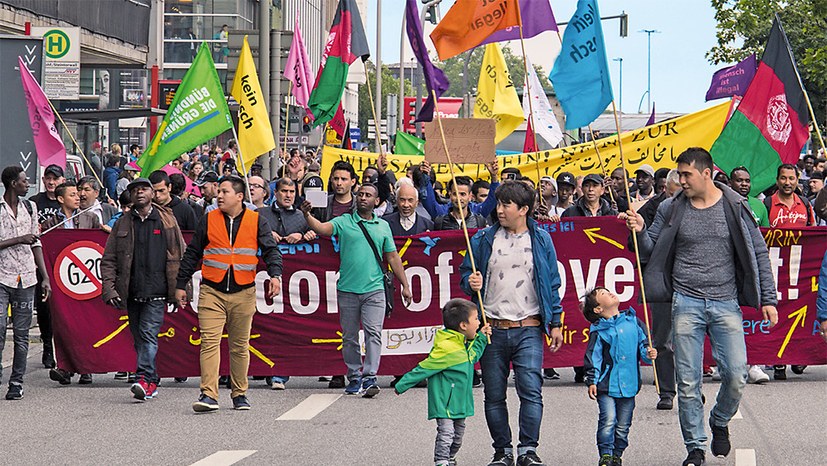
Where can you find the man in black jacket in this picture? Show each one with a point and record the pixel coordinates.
(591, 204)
(405, 221)
(161, 195)
(459, 206)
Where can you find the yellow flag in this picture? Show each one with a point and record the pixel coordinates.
(255, 135)
(496, 95)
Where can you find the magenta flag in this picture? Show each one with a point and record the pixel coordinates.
(47, 141)
(297, 69)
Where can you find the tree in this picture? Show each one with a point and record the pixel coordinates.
(744, 27)
(455, 67)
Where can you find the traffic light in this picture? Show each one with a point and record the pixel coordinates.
(306, 124)
(283, 118)
(431, 15)
(624, 24)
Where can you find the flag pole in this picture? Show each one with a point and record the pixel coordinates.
(470, 253)
(243, 168)
(287, 115)
(77, 146)
(600, 160)
(375, 121)
(528, 94)
(637, 249)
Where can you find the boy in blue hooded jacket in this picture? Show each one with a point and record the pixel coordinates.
(616, 343)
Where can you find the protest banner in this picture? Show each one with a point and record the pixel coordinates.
(658, 145)
(470, 140)
(298, 332)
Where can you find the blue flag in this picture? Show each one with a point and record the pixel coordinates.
(581, 72)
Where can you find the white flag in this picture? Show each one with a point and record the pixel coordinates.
(545, 123)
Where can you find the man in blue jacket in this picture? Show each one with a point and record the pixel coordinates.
(435, 209)
(705, 255)
(518, 281)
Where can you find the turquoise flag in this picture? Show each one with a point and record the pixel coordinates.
(581, 72)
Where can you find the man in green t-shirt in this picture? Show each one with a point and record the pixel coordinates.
(741, 183)
(361, 289)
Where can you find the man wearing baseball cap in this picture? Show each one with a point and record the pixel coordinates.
(566, 185)
(591, 204)
(208, 183)
(645, 180)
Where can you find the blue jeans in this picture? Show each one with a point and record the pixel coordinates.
(145, 321)
(692, 319)
(367, 309)
(613, 424)
(22, 302)
(522, 349)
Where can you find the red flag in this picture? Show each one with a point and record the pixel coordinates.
(338, 122)
(530, 144)
(346, 142)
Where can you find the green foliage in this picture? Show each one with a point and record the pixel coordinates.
(744, 26)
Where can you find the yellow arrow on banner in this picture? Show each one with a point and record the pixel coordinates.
(800, 315)
(591, 233)
(318, 341)
(814, 285)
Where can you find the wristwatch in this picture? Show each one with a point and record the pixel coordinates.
(557, 325)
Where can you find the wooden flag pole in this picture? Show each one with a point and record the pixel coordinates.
(637, 250)
(470, 253)
(602, 166)
(77, 146)
(375, 121)
(528, 95)
(287, 116)
(243, 168)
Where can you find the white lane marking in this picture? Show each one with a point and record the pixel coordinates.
(737, 414)
(309, 407)
(224, 458)
(745, 457)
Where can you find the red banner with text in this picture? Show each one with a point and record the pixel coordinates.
(298, 333)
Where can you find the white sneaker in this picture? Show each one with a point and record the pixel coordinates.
(757, 376)
(277, 386)
(716, 374)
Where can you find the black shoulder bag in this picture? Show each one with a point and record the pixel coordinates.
(387, 275)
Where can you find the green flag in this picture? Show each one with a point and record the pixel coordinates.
(407, 144)
(198, 113)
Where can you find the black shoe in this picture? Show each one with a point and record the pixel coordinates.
(337, 381)
(501, 458)
(48, 358)
(205, 404)
(606, 460)
(579, 375)
(121, 376)
(180, 379)
(695, 458)
(85, 379)
(530, 458)
(477, 379)
(798, 369)
(550, 374)
(240, 403)
(617, 461)
(779, 372)
(15, 392)
(720, 445)
(60, 376)
(395, 379)
(131, 377)
(665, 403)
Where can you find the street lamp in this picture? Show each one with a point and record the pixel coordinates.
(648, 94)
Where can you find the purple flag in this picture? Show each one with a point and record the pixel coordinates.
(732, 80)
(536, 16)
(651, 120)
(435, 79)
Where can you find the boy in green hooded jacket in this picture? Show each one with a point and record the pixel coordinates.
(449, 369)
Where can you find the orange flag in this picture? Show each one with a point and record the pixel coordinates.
(469, 22)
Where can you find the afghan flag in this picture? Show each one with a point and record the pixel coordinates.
(769, 127)
(345, 43)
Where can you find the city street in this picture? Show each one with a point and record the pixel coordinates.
(779, 423)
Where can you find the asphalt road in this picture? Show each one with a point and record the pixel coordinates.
(781, 423)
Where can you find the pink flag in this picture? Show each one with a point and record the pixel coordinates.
(297, 69)
(47, 141)
(190, 186)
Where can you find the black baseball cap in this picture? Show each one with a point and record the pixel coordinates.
(206, 177)
(313, 182)
(566, 178)
(55, 170)
(594, 178)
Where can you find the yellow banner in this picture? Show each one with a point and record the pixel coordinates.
(658, 145)
(255, 135)
(496, 94)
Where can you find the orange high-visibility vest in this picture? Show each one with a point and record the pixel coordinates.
(221, 253)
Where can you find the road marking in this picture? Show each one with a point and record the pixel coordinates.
(745, 457)
(309, 408)
(737, 414)
(224, 458)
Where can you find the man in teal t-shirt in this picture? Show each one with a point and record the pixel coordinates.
(361, 289)
(740, 182)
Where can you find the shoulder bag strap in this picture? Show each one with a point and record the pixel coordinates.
(372, 246)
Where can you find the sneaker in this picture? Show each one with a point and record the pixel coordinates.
(665, 403)
(240, 403)
(798, 369)
(224, 381)
(579, 375)
(369, 387)
(15, 392)
(720, 445)
(205, 404)
(85, 379)
(354, 387)
(277, 385)
(139, 389)
(121, 375)
(707, 371)
(550, 374)
(617, 461)
(529, 458)
(716, 374)
(337, 381)
(152, 390)
(757, 375)
(695, 458)
(60, 376)
(477, 379)
(779, 372)
(605, 460)
(501, 458)
(180, 379)
(131, 377)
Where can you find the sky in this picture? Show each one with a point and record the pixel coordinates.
(680, 72)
